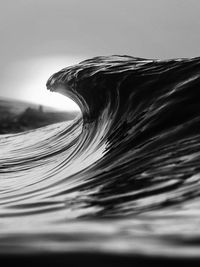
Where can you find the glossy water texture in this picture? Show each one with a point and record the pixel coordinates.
(122, 178)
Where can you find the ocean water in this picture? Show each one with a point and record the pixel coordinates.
(122, 178)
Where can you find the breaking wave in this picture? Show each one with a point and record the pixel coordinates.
(123, 177)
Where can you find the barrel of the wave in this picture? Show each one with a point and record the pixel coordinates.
(87, 84)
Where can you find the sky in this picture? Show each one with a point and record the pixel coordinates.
(40, 37)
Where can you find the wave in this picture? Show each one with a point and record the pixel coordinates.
(121, 178)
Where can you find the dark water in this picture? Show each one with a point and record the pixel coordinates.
(123, 178)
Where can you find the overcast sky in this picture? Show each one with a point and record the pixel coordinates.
(41, 36)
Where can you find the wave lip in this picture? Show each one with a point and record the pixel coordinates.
(125, 173)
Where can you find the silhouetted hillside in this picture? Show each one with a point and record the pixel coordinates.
(13, 120)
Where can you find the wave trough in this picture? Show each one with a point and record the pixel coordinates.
(121, 178)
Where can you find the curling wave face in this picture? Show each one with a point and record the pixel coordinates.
(123, 177)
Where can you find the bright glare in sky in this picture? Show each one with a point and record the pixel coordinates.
(54, 100)
(29, 78)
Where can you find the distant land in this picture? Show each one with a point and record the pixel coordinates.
(18, 116)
